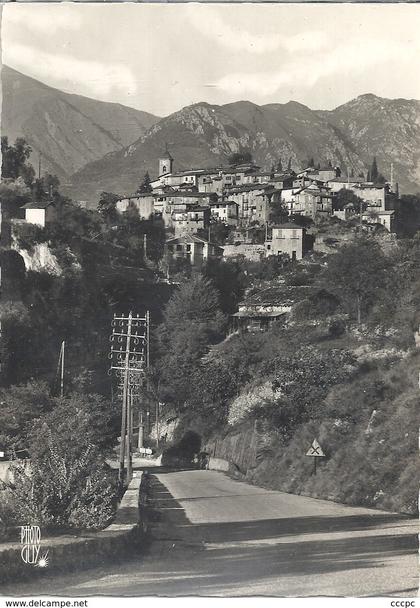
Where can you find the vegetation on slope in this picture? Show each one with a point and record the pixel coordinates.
(343, 369)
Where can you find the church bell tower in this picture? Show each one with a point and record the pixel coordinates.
(165, 162)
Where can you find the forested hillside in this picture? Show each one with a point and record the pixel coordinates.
(259, 399)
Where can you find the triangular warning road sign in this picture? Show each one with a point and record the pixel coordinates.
(315, 449)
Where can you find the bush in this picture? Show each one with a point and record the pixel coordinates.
(68, 484)
(28, 235)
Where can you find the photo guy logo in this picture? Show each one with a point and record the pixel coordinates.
(30, 539)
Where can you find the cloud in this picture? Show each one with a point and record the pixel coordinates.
(350, 59)
(210, 23)
(96, 78)
(44, 19)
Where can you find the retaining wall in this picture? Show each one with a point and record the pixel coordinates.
(218, 464)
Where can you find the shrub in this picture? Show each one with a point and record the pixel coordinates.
(28, 235)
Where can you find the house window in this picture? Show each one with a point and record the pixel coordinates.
(179, 247)
(188, 248)
(268, 247)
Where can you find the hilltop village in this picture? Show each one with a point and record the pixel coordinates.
(193, 203)
(240, 212)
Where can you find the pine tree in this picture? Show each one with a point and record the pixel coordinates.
(279, 166)
(289, 164)
(145, 185)
(374, 171)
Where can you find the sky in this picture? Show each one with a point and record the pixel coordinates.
(162, 57)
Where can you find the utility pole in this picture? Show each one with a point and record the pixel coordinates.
(63, 345)
(157, 423)
(60, 368)
(125, 400)
(129, 442)
(129, 363)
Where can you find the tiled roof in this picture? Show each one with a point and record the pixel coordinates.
(191, 238)
(37, 205)
(185, 193)
(352, 180)
(280, 295)
(288, 226)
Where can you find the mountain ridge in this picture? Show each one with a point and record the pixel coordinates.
(67, 129)
(204, 135)
(94, 146)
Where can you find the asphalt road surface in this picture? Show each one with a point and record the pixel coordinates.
(219, 537)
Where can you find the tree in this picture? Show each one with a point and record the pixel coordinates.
(408, 218)
(344, 197)
(14, 160)
(229, 280)
(358, 274)
(107, 206)
(303, 380)
(21, 405)
(289, 164)
(279, 167)
(192, 322)
(69, 483)
(278, 212)
(145, 186)
(374, 171)
(237, 158)
(46, 188)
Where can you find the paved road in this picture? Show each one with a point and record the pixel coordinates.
(217, 536)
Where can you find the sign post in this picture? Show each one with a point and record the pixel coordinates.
(315, 452)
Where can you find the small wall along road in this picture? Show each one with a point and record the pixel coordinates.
(127, 534)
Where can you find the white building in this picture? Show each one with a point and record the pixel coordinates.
(40, 213)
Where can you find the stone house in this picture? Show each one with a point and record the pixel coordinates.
(287, 238)
(144, 203)
(251, 206)
(378, 216)
(192, 248)
(190, 220)
(340, 183)
(165, 203)
(225, 211)
(377, 196)
(312, 201)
